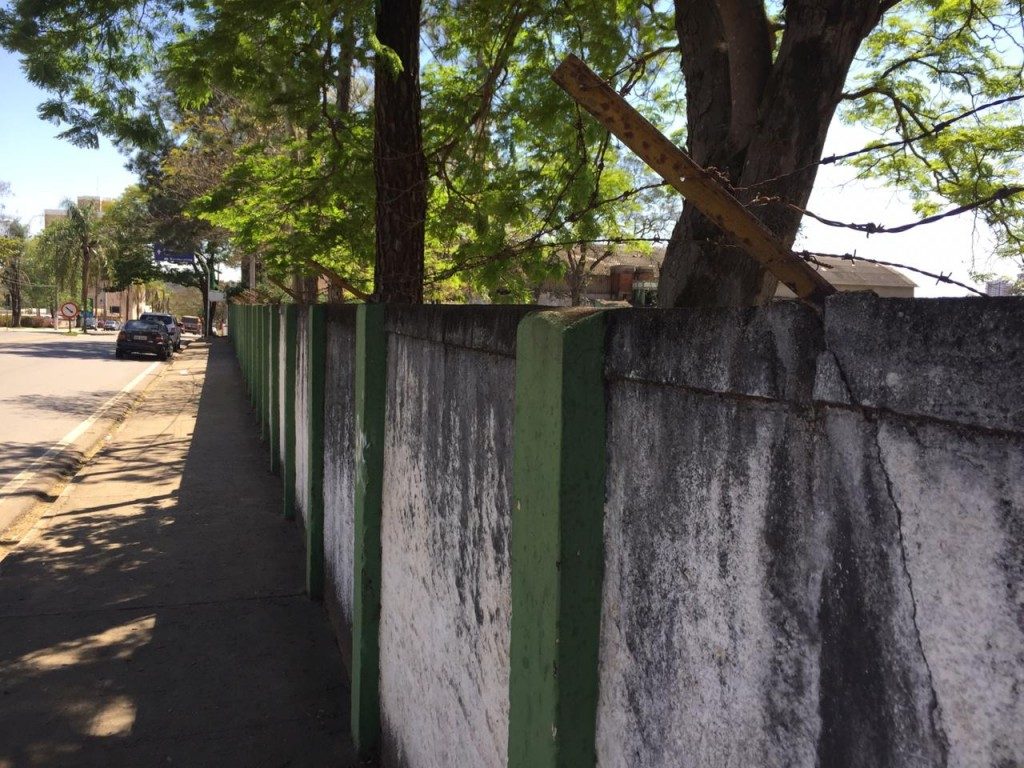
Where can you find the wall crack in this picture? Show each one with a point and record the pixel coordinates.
(935, 711)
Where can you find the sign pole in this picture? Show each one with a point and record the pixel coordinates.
(207, 324)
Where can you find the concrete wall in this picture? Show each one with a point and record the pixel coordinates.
(444, 633)
(301, 413)
(813, 533)
(339, 471)
(814, 536)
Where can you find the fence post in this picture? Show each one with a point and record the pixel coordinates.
(254, 336)
(241, 344)
(261, 369)
(243, 341)
(557, 545)
(264, 372)
(290, 318)
(247, 343)
(275, 388)
(370, 398)
(316, 351)
(256, 368)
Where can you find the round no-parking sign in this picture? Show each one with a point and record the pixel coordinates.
(69, 310)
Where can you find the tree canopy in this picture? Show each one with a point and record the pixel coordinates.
(254, 123)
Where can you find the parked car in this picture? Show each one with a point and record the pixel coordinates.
(190, 324)
(145, 336)
(90, 322)
(111, 325)
(172, 327)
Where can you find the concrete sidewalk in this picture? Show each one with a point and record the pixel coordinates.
(156, 615)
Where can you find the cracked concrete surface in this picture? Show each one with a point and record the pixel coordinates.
(938, 731)
(156, 614)
(814, 536)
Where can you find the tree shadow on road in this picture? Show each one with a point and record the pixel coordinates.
(82, 404)
(67, 348)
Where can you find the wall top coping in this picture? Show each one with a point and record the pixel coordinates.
(952, 360)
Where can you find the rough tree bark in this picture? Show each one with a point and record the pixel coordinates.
(755, 118)
(399, 165)
(14, 291)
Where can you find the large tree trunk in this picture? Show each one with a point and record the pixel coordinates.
(305, 288)
(760, 123)
(15, 292)
(399, 166)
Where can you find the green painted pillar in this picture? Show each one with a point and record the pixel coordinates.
(267, 367)
(243, 341)
(316, 351)
(275, 389)
(246, 344)
(254, 336)
(264, 372)
(262, 384)
(248, 351)
(253, 358)
(290, 319)
(557, 546)
(371, 375)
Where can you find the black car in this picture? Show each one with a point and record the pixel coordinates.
(172, 327)
(146, 336)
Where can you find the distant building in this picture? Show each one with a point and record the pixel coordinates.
(52, 215)
(852, 275)
(1000, 287)
(632, 278)
(611, 280)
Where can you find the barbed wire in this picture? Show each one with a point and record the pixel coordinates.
(936, 129)
(871, 228)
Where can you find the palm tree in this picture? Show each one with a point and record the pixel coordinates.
(72, 243)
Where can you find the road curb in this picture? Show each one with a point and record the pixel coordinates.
(18, 517)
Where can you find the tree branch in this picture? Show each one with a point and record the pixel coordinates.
(870, 228)
(283, 287)
(749, 43)
(337, 279)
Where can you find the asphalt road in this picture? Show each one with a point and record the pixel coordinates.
(50, 383)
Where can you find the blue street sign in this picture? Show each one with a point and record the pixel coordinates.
(163, 253)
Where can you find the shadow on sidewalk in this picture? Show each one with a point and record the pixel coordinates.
(159, 617)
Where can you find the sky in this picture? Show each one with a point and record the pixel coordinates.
(946, 246)
(43, 170)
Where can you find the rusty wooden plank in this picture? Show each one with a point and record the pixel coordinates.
(696, 184)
